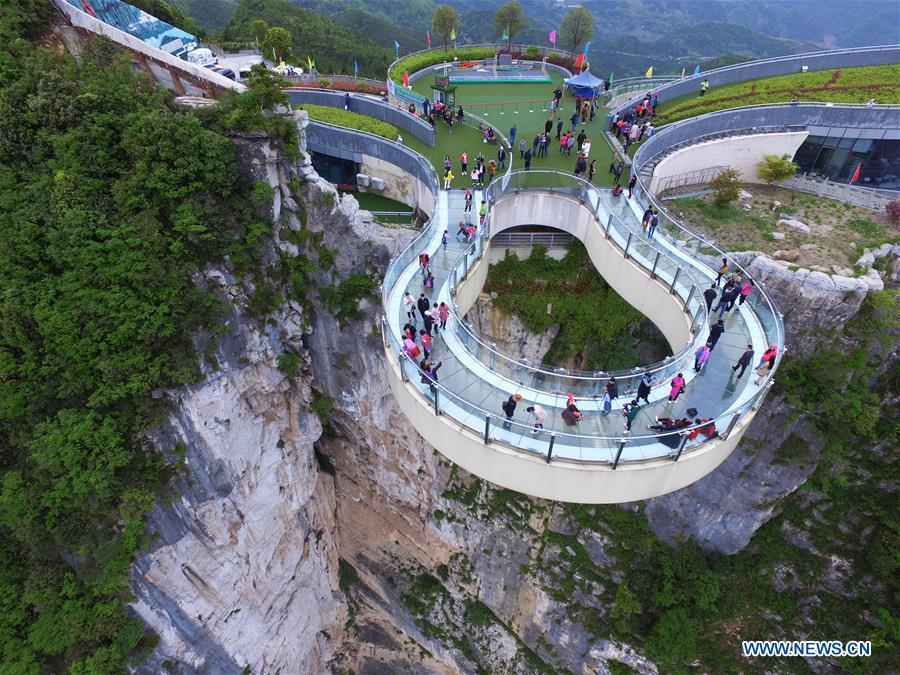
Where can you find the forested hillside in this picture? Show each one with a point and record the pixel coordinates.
(110, 200)
(333, 46)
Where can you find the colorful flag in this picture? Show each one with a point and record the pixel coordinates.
(452, 33)
(579, 60)
(355, 68)
(397, 48)
(552, 37)
(649, 72)
(428, 37)
(856, 174)
(506, 33)
(406, 79)
(587, 46)
(309, 62)
(697, 70)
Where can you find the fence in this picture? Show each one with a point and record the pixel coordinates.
(688, 179)
(366, 105)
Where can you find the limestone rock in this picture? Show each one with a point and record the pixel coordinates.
(508, 332)
(777, 236)
(793, 224)
(744, 196)
(789, 255)
(808, 247)
(746, 207)
(775, 206)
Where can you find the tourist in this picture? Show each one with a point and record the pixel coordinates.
(677, 387)
(429, 375)
(607, 402)
(630, 411)
(701, 356)
(463, 162)
(534, 145)
(580, 139)
(482, 212)
(631, 184)
(574, 120)
(554, 104)
(409, 304)
(538, 414)
(571, 415)
(470, 233)
(425, 340)
(645, 219)
(766, 363)
(423, 304)
(669, 424)
(460, 116)
(617, 174)
(411, 348)
(425, 106)
(428, 319)
(521, 148)
(548, 126)
(743, 362)
(481, 170)
(429, 280)
(746, 290)
(447, 163)
(586, 147)
(723, 270)
(474, 176)
(443, 315)
(715, 333)
(347, 102)
(585, 111)
(468, 207)
(559, 126)
(512, 136)
(448, 178)
(644, 387)
(501, 158)
(870, 103)
(509, 407)
(704, 86)
(612, 388)
(544, 144)
(580, 165)
(652, 223)
(709, 295)
(527, 158)
(730, 292)
(562, 144)
(570, 143)
(592, 168)
(424, 259)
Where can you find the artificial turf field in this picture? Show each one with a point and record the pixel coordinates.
(484, 100)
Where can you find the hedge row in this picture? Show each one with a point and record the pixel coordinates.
(845, 85)
(351, 120)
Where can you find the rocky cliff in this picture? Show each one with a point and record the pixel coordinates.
(313, 530)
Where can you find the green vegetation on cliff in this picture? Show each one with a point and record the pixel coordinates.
(333, 46)
(598, 329)
(110, 201)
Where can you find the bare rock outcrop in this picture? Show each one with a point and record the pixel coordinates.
(508, 332)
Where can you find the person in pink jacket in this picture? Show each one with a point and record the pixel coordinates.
(443, 315)
(677, 387)
(701, 356)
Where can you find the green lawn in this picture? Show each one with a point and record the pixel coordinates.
(843, 85)
(485, 101)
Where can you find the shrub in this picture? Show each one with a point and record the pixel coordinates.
(435, 56)
(351, 120)
(774, 168)
(893, 211)
(533, 53)
(289, 364)
(727, 185)
(866, 227)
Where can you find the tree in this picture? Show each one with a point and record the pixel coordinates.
(727, 185)
(258, 29)
(577, 27)
(509, 19)
(774, 168)
(277, 43)
(444, 22)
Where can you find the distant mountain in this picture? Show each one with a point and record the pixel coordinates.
(334, 46)
(210, 15)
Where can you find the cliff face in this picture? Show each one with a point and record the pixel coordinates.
(355, 548)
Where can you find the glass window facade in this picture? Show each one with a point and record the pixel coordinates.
(837, 158)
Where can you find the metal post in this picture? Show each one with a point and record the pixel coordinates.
(731, 424)
(437, 410)
(608, 225)
(550, 449)
(403, 376)
(674, 279)
(690, 295)
(655, 263)
(681, 446)
(487, 428)
(618, 454)
(627, 244)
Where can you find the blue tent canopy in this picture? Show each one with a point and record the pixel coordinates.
(585, 84)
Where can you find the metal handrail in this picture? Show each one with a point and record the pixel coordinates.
(549, 371)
